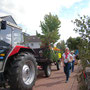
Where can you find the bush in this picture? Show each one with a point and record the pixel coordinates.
(84, 53)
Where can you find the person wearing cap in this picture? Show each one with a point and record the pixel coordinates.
(67, 59)
(73, 61)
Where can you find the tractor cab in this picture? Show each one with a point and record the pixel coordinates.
(14, 56)
(10, 34)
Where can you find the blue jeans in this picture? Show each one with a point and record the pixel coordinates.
(67, 70)
(70, 68)
(73, 65)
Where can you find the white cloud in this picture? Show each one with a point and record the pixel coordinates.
(66, 29)
(30, 12)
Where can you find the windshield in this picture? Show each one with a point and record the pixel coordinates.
(10, 36)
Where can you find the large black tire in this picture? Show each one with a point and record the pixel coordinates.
(47, 70)
(23, 72)
(58, 65)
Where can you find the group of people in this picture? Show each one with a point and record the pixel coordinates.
(68, 59)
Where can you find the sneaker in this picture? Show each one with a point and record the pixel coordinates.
(66, 81)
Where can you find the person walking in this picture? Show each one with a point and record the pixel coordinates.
(73, 61)
(77, 54)
(67, 59)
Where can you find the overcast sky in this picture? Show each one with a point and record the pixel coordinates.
(29, 13)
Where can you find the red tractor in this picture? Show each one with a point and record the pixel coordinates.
(18, 68)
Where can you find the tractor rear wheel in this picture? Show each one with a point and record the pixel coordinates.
(23, 72)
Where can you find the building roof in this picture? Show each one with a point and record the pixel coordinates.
(33, 39)
(10, 21)
(9, 18)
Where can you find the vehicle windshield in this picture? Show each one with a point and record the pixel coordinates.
(10, 36)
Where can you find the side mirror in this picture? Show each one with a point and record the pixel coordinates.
(3, 25)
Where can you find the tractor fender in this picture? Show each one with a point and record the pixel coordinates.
(15, 50)
(18, 49)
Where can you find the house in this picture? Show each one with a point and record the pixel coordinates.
(33, 41)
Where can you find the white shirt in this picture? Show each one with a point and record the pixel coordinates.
(68, 58)
(73, 57)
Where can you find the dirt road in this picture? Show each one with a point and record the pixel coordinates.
(56, 81)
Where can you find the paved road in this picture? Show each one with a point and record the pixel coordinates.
(56, 81)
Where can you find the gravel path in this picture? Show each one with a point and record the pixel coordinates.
(56, 81)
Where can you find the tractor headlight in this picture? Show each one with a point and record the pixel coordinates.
(2, 55)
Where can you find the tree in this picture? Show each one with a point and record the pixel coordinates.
(83, 28)
(73, 43)
(61, 46)
(50, 27)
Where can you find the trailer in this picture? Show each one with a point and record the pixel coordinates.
(44, 60)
